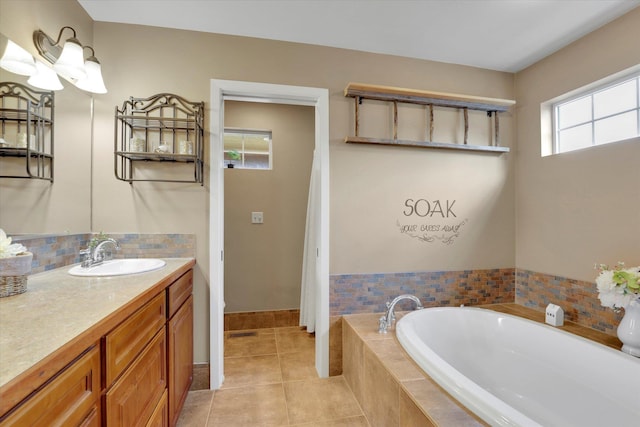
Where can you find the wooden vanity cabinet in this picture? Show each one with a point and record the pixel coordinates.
(137, 373)
(180, 348)
(71, 398)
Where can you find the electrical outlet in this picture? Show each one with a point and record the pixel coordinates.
(257, 217)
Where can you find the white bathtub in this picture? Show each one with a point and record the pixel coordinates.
(514, 372)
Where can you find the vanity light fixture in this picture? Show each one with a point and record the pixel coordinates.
(68, 61)
(17, 60)
(45, 78)
(93, 83)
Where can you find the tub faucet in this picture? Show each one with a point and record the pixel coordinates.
(94, 256)
(386, 321)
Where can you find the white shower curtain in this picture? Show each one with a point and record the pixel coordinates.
(309, 261)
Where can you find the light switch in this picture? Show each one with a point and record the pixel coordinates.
(257, 217)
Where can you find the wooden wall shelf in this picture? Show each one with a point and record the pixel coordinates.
(425, 144)
(396, 95)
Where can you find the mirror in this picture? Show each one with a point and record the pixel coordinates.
(34, 206)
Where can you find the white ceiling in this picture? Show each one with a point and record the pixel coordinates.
(504, 35)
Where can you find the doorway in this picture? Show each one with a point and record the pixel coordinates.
(268, 153)
(222, 90)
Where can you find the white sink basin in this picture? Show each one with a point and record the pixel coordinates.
(119, 267)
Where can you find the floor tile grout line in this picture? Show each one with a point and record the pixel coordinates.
(206, 422)
(286, 404)
(354, 397)
(278, 338)
(251, 355)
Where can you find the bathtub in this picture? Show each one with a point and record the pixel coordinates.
(511, 371)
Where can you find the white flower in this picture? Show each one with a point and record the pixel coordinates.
(7, 249)
(605, 281)
(617, 287)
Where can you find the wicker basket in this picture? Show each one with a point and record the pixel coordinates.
(13, 274)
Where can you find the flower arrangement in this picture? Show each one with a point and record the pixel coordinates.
(7, 249)
(617, 286)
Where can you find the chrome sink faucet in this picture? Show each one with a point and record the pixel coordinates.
(95, 255)
(386, 321)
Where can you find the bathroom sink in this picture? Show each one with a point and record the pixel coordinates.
(119, 267)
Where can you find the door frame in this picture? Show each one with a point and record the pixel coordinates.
(233, 90)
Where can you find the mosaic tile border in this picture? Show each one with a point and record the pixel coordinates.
(368, 293)
(578, 299)
(55, 251)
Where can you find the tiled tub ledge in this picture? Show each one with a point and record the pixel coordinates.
(394, 392)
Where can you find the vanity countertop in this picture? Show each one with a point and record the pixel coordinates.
(64, 313)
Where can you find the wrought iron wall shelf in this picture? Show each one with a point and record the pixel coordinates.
(492, 106)
(26, 128)
(161, 128)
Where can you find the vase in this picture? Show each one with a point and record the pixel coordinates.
(629, 328)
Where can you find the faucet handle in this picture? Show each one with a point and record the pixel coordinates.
(85, 257)
(382, 325)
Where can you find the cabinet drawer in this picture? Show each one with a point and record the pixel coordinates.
(179, 291)
(67, 400)
(125, 342)
(134, 397)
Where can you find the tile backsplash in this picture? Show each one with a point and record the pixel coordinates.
(368, 293)
(578, 299)
(55, 251)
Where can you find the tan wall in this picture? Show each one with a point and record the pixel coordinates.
(36, 206)
(263, 262)
(572, 210)
(369, 185)
(583, 207)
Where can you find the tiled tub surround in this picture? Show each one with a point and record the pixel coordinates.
(55, 251)
(368, 293)
(578, 299)
(393, 391)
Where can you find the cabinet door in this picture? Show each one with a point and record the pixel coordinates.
(93, 419)
(134, 397)
(180, 329)
(67, 400)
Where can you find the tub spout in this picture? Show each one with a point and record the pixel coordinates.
(389, 317)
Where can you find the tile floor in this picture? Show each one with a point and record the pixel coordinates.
(270, 380)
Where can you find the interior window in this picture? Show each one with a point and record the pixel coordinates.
(247, 149)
